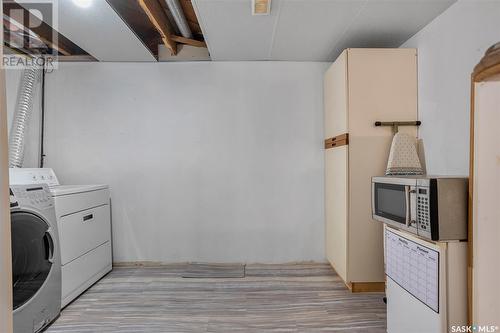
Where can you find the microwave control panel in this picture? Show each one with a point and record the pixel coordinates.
(423, 212)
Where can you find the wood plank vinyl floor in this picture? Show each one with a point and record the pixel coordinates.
(270, 298)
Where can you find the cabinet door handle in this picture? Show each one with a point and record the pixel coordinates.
(88, 217)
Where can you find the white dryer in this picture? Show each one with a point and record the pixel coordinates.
(83, 219)
(36, 263)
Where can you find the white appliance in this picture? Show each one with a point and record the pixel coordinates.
(84, 224)
(426, 283)
(36, 261)
(432, 207)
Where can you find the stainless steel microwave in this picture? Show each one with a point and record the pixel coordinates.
(434, 208)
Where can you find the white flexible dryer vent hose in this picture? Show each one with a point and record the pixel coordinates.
(22, 114)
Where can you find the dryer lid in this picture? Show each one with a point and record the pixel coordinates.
(73, 189)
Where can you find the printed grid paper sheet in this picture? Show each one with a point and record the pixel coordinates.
(414, 267)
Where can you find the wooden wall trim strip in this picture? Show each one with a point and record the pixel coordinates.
(488, 66)
(337, 141)
(470, 251)
(5, 235)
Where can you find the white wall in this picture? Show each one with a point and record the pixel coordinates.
(217, 162)
(448, 49)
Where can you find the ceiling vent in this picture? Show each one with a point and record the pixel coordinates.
(261, 7)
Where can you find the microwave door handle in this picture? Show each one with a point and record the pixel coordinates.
(408, 209)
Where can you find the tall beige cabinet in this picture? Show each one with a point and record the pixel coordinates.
(362, 86)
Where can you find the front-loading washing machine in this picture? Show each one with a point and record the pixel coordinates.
(36, 261)
(84, 224)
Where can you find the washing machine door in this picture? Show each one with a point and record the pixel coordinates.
(32, 253)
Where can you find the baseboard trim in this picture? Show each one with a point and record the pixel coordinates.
(361, 287)
(366, 287)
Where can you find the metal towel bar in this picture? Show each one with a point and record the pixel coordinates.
(395, 124)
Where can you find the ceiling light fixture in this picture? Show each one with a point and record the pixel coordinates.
(83, 3)
(261, 7)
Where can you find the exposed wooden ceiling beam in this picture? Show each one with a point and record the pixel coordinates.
(159, 19)
(7, 49)
(54, 46)
(188, 41)
(137, 20)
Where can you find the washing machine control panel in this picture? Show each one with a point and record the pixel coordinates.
(31, 195)
(33, 176)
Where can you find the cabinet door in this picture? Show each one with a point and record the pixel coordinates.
(335, 97)
(367, 158)
(486, 210)
(382, 87)
(336, 166)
